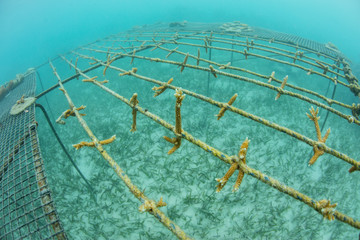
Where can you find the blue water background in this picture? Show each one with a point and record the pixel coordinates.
(33, 31)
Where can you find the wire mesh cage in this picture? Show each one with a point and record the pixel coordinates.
(162, 104)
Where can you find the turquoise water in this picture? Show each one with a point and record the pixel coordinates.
(33, 31)
(186, 179)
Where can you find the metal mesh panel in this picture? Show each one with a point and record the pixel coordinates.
(255, 32)
(26, 208)
(293, 39)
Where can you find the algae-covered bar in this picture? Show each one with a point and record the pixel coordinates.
(149, 126)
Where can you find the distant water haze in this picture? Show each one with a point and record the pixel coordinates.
(33, 31)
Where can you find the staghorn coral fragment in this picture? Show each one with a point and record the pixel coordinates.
(184, 63)
(171, 52)
(179, 98)
(178, 129)
(92, 144)
(133, 70)
(235, 165)
(326, 209)
(161, 89)
(352, 169)
(61, 89)
(225, 66)
(176, 141)
(134, 102)
(206, 46)
(245, 54)
(143, 43)
(281, 87)
(69, 113)
(223, 109)
(213, 71)
(222, 181)
(108, 64)
(150, 205)
(318, 151)
(90, 79)
(161, 203)
(272, 76)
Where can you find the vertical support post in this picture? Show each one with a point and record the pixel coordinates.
(232, 52)
(208, 83)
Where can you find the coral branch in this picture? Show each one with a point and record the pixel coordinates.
(161, 89)
(281, 87)
(327, 209)
(177, 140)
(223, 109)
(92, 144)
(318, 151)
(134, 102)
(213, 71)
(272, 76)
(184, 63)
(107, 65)
(235, 165)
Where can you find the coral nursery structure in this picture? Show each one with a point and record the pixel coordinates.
(162, 104)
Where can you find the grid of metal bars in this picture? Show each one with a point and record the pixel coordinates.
(26, 206)
(129, 45)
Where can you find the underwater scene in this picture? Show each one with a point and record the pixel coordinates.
(193, 127)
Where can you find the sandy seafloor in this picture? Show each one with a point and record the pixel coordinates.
(186, 179)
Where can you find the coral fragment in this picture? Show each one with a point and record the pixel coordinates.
(223, 109)
(318, 151)
(235, 165)
(92, 144)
